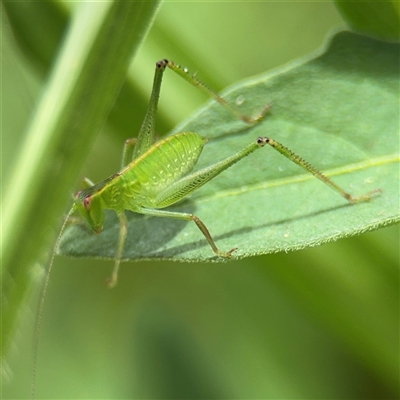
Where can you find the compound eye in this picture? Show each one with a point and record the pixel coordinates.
(87, 202)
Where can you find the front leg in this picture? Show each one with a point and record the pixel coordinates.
(127, 153)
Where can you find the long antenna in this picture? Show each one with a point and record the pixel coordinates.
(38, 324)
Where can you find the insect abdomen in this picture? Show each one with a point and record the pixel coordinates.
(167, 161)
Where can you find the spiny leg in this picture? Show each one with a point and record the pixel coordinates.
(318, 174)
(123, 230)
(192, 182)
(188, 217)
(210, 240)
(184, 73)
(147, 131)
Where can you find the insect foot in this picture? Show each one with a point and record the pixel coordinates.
(366, 197)
(111, 282)
(228, 254)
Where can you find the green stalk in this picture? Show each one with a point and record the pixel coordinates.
(77, 98)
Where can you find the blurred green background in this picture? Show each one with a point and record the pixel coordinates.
(319, 323)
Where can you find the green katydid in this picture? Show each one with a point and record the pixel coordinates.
(154, 176)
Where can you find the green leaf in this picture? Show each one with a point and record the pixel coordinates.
(339, 111)
(380, 19)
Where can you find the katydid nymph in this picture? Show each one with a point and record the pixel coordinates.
(154, 176)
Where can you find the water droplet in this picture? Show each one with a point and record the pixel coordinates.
(281, 169)
(240, 100)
